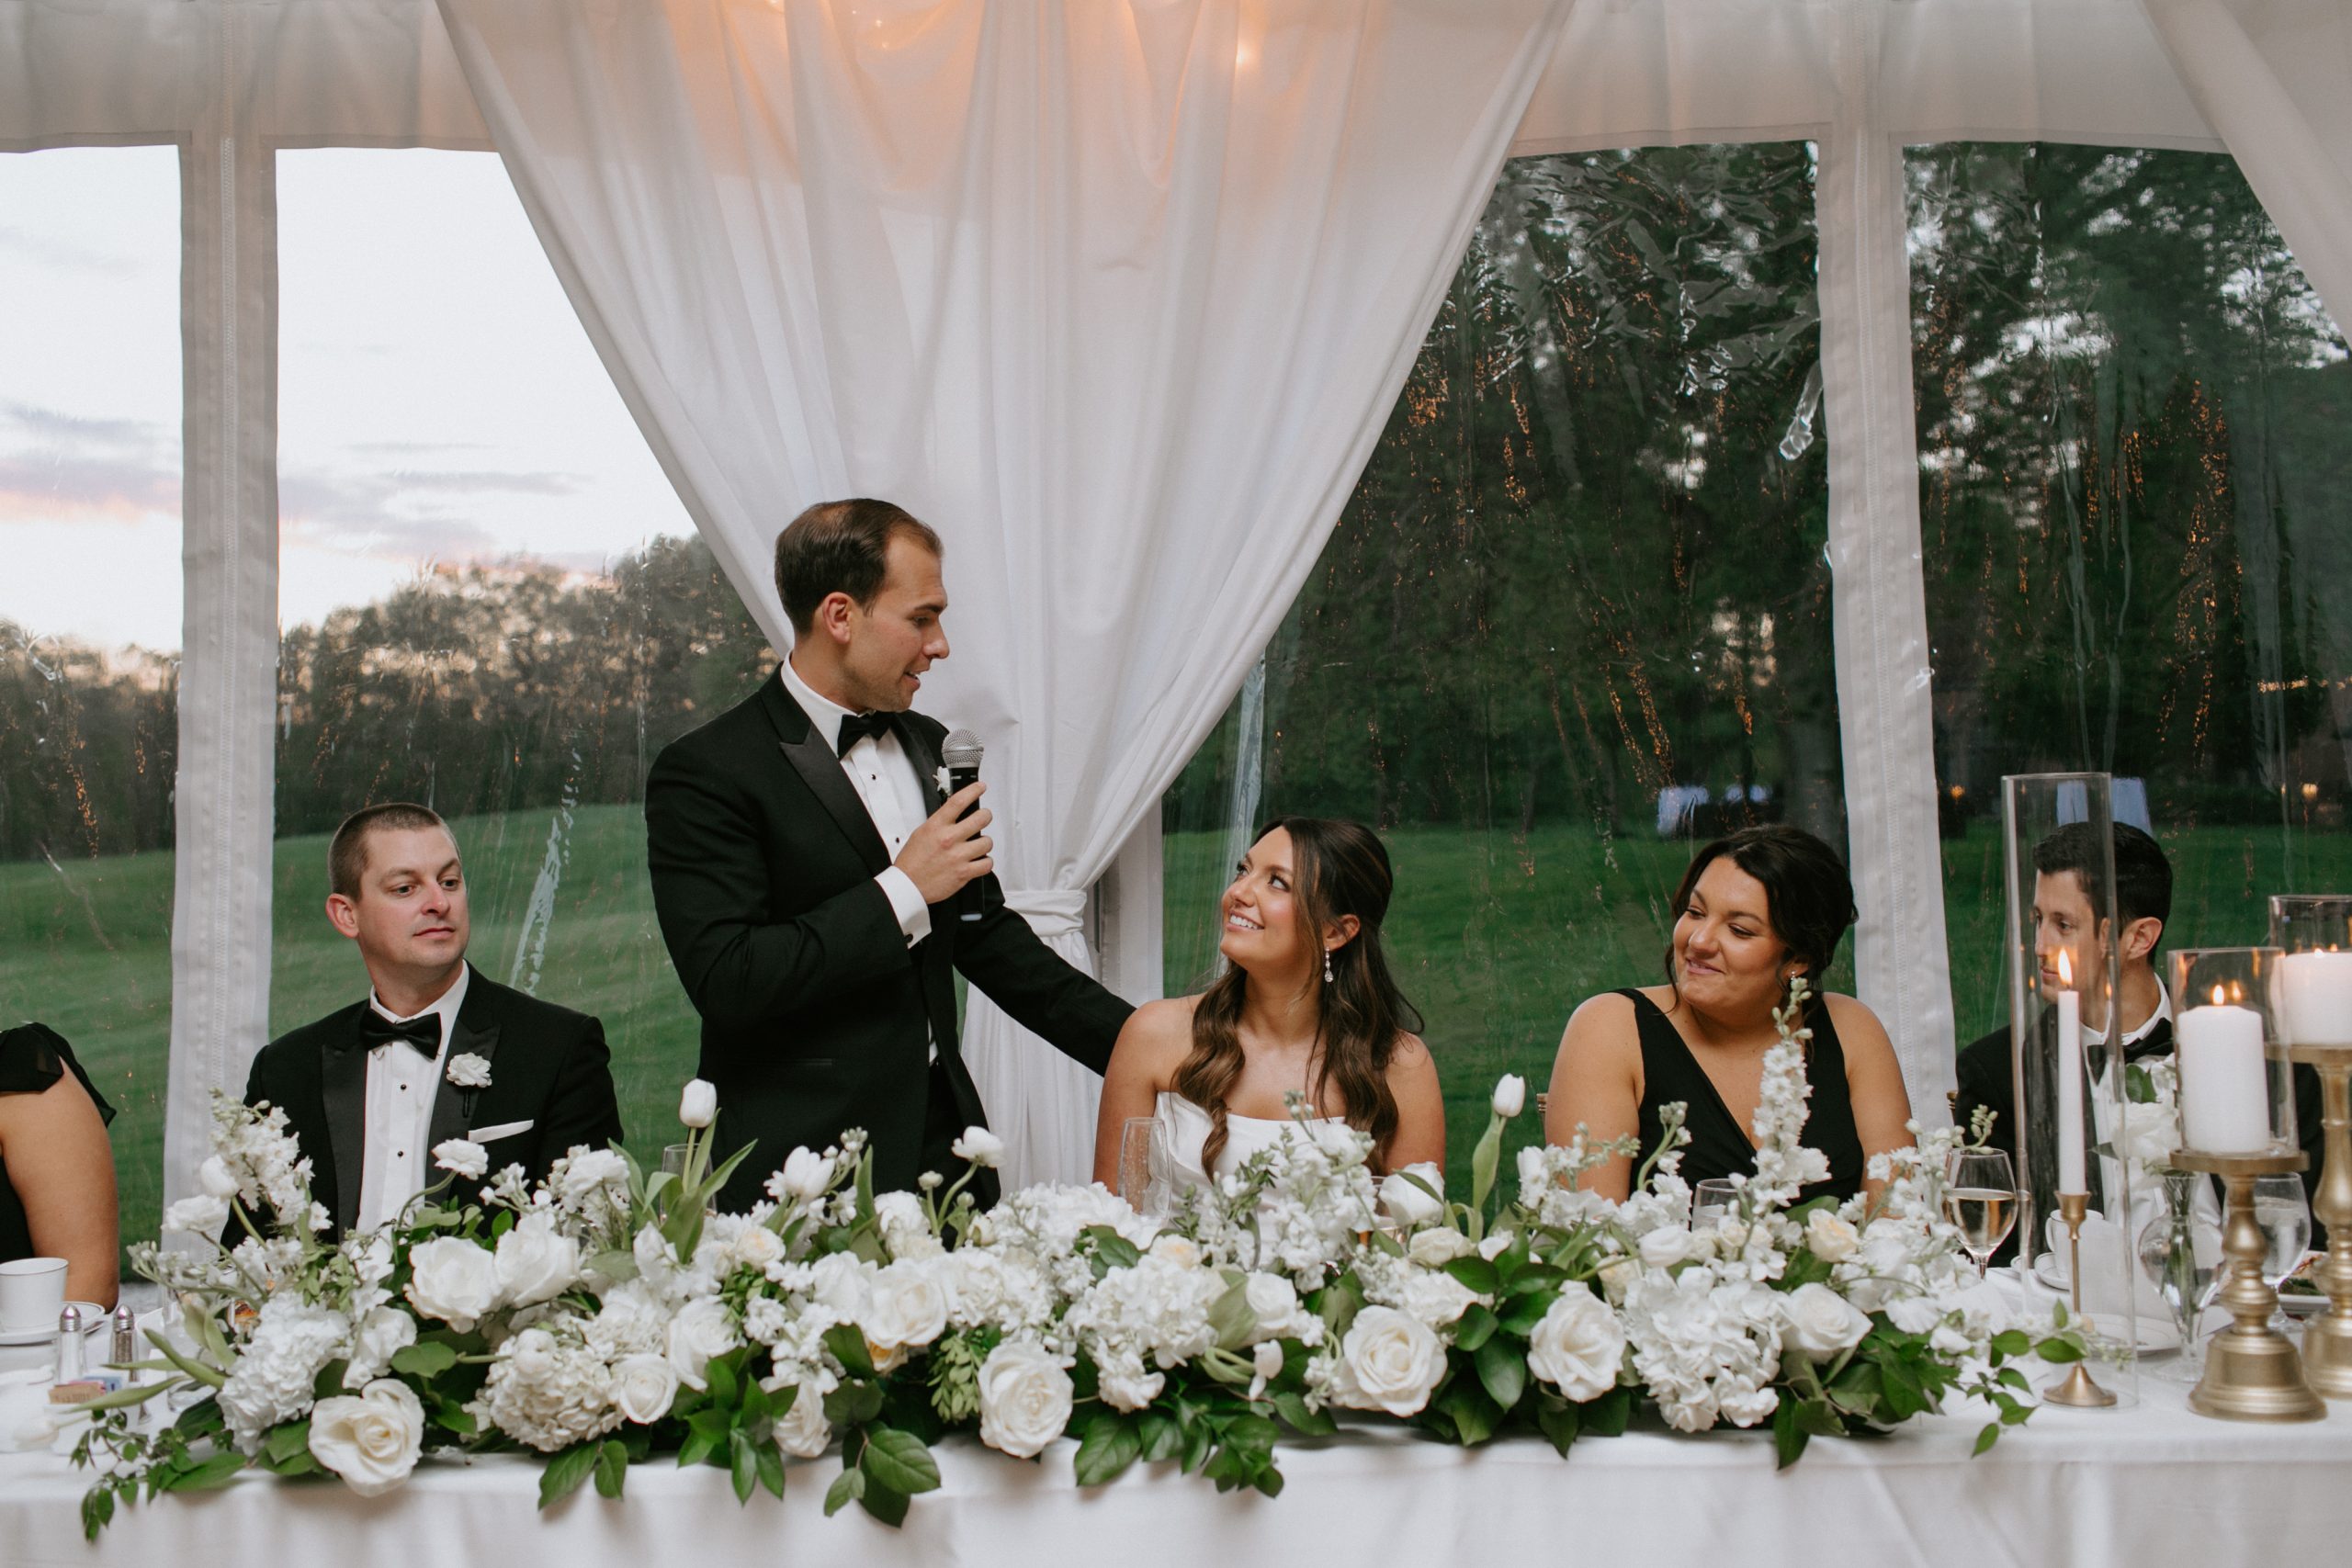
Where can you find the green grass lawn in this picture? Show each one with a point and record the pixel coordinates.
(1495, 937)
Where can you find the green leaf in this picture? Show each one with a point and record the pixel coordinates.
(284, 1442)
(427, 1359)
(1476, 1327)
(847, 1488)
(1502, 1368)
(2057, 1351)
(770, 1460)
(1476, 1273)
(1559, 1421)
(612, 1468)
(726, 1388)
(884, 1503)
(1232, 1317)
(1788, 1436)
(1161, 1436)
(899, 1460)
(567, 1467)
(1608, 1415)
(1337, 1303)
(1110, 1446)
(2011, 1342)
(1111, 1247)
(206, 1474)
(848, 1347)
(742, 1464)
(1473, 1416)
(1307, 1423)
(1986, 1439)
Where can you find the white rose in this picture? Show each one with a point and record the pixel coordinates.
(1408, 1203)
(1439, 1246)
(1665, 1246)
(978, 1146)
(906, 1307)
(698, 1105)
(469, 1071)
(216, 1178)
(840, 1283)
(758, 1247)
(1511, 1095)
(1389, 1361)
(804, 1433)
(1578, 1344)
(644, 1387)
(381, 1334)
(1025, 1399)
(463, 1156)
(1821, 1323)
(454, 1280)
(372, 1438)
(535, 1262)
(1274, 1302)
(703, 1328)
(203, 1214)
(1833, 1240)
(1181, 1250)
(806, 1175)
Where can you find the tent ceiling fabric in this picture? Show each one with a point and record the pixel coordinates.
(230, 81)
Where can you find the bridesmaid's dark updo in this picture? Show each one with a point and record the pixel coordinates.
(1808, 895)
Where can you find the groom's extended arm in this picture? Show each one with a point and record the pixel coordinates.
(740, 962)
(1040, 990)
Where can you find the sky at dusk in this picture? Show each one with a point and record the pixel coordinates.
(437, 399)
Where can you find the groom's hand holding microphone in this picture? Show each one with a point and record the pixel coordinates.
(950, 851)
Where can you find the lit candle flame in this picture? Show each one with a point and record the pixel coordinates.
(2217, 996)
(2066, 970)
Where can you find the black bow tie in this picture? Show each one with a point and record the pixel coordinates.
(424, 1033)
(860, 727)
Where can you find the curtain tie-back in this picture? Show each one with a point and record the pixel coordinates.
(1051, 912)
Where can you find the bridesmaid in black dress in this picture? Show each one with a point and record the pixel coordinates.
(57, 1197)
(1753, 910)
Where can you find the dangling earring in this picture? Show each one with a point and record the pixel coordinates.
(1326, 966)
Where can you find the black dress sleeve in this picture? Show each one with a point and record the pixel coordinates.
(35, 1056)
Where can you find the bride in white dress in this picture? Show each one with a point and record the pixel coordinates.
(1306, 1006)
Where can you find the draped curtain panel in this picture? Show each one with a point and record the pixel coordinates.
(1117, 295)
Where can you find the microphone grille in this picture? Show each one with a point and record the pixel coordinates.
(961, 749)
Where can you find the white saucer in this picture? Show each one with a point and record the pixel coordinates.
(92, 1313)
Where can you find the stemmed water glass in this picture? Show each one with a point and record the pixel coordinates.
(1981, 1197)
(1713, 1200)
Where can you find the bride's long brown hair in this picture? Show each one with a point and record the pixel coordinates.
(1341, 869)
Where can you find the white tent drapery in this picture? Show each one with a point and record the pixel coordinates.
(232, 80)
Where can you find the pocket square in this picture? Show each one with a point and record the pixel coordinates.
(504, 1129)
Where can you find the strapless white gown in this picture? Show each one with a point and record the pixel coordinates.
(1186, 1127)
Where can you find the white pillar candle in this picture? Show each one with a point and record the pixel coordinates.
(2070, 1091)
(2315, 997)
(2224, 1089)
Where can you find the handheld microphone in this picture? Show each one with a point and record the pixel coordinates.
(960, 753)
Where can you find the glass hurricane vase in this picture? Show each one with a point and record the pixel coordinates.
(2181, 1270)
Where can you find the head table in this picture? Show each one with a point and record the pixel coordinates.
(2133, 1487)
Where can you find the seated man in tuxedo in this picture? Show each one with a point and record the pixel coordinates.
(807, 872)
(372, 1088)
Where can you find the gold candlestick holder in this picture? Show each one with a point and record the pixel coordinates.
(2077, 1388)
(2327, 1340)
(2252, 1372)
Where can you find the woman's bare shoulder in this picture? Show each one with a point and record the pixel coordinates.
(1160, 1028)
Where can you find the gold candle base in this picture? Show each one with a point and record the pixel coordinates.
(2252, 1372)
(2077, 1388)
(2327, 1340)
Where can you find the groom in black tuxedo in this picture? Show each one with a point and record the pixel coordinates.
(806, 865)
(439, 1050)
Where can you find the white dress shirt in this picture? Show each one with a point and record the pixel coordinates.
(884, 777)
(395, 1165)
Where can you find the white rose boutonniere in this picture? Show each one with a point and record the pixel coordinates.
(370, 1439)
(1025, 1399)
(469, 1071)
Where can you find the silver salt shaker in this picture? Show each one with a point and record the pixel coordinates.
(69, 1345)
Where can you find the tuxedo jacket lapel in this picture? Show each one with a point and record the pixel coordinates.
(925, 757)
(476, 1032)
(343, 1090)
(820, 769)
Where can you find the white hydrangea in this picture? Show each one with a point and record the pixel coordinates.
(548, 1390)
(279, 1365)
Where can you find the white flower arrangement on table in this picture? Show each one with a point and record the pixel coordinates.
(603, 1317)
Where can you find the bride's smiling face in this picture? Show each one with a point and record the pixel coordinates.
(1261, 909)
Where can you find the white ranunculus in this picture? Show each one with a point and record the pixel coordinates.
(1665, 1246)
(906, 1308)
(1821, 1323)
(978, 1146)
(804, 1432)
(536, 1261)
(1389, 1361)
(1578, 1344)
(644, 1387)
(703, 1328)
(1407, 1202)
(203, 1214)
(1511, 1095)
(1439, 1246)
(469, 1071)
(1026, 1398)
(370, 1439)
(214, 1177)
(463, 1156)
(698, 1105)
(805, 1174)
(1274, 1302)
(454, 1280)
(381, 1336)
(1833, 1240)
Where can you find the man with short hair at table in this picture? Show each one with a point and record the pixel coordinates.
(437, 1051)
(807, 867)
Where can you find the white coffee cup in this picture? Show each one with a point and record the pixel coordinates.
(32, 1292)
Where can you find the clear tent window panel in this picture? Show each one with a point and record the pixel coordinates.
(493, 602)
(1576, 618)
(90, 622)
(2137, 525)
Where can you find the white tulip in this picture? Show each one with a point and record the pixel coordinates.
(699, 1104)
(1408, 1202)
(1511, 1095)
(806, 1175)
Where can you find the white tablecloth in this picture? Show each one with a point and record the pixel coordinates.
(2135, 1488)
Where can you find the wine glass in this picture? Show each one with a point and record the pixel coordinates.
(1143, 1168)
(1714, 1199)
(1981, 1197)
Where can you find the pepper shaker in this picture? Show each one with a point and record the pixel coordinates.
(69, 1345)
